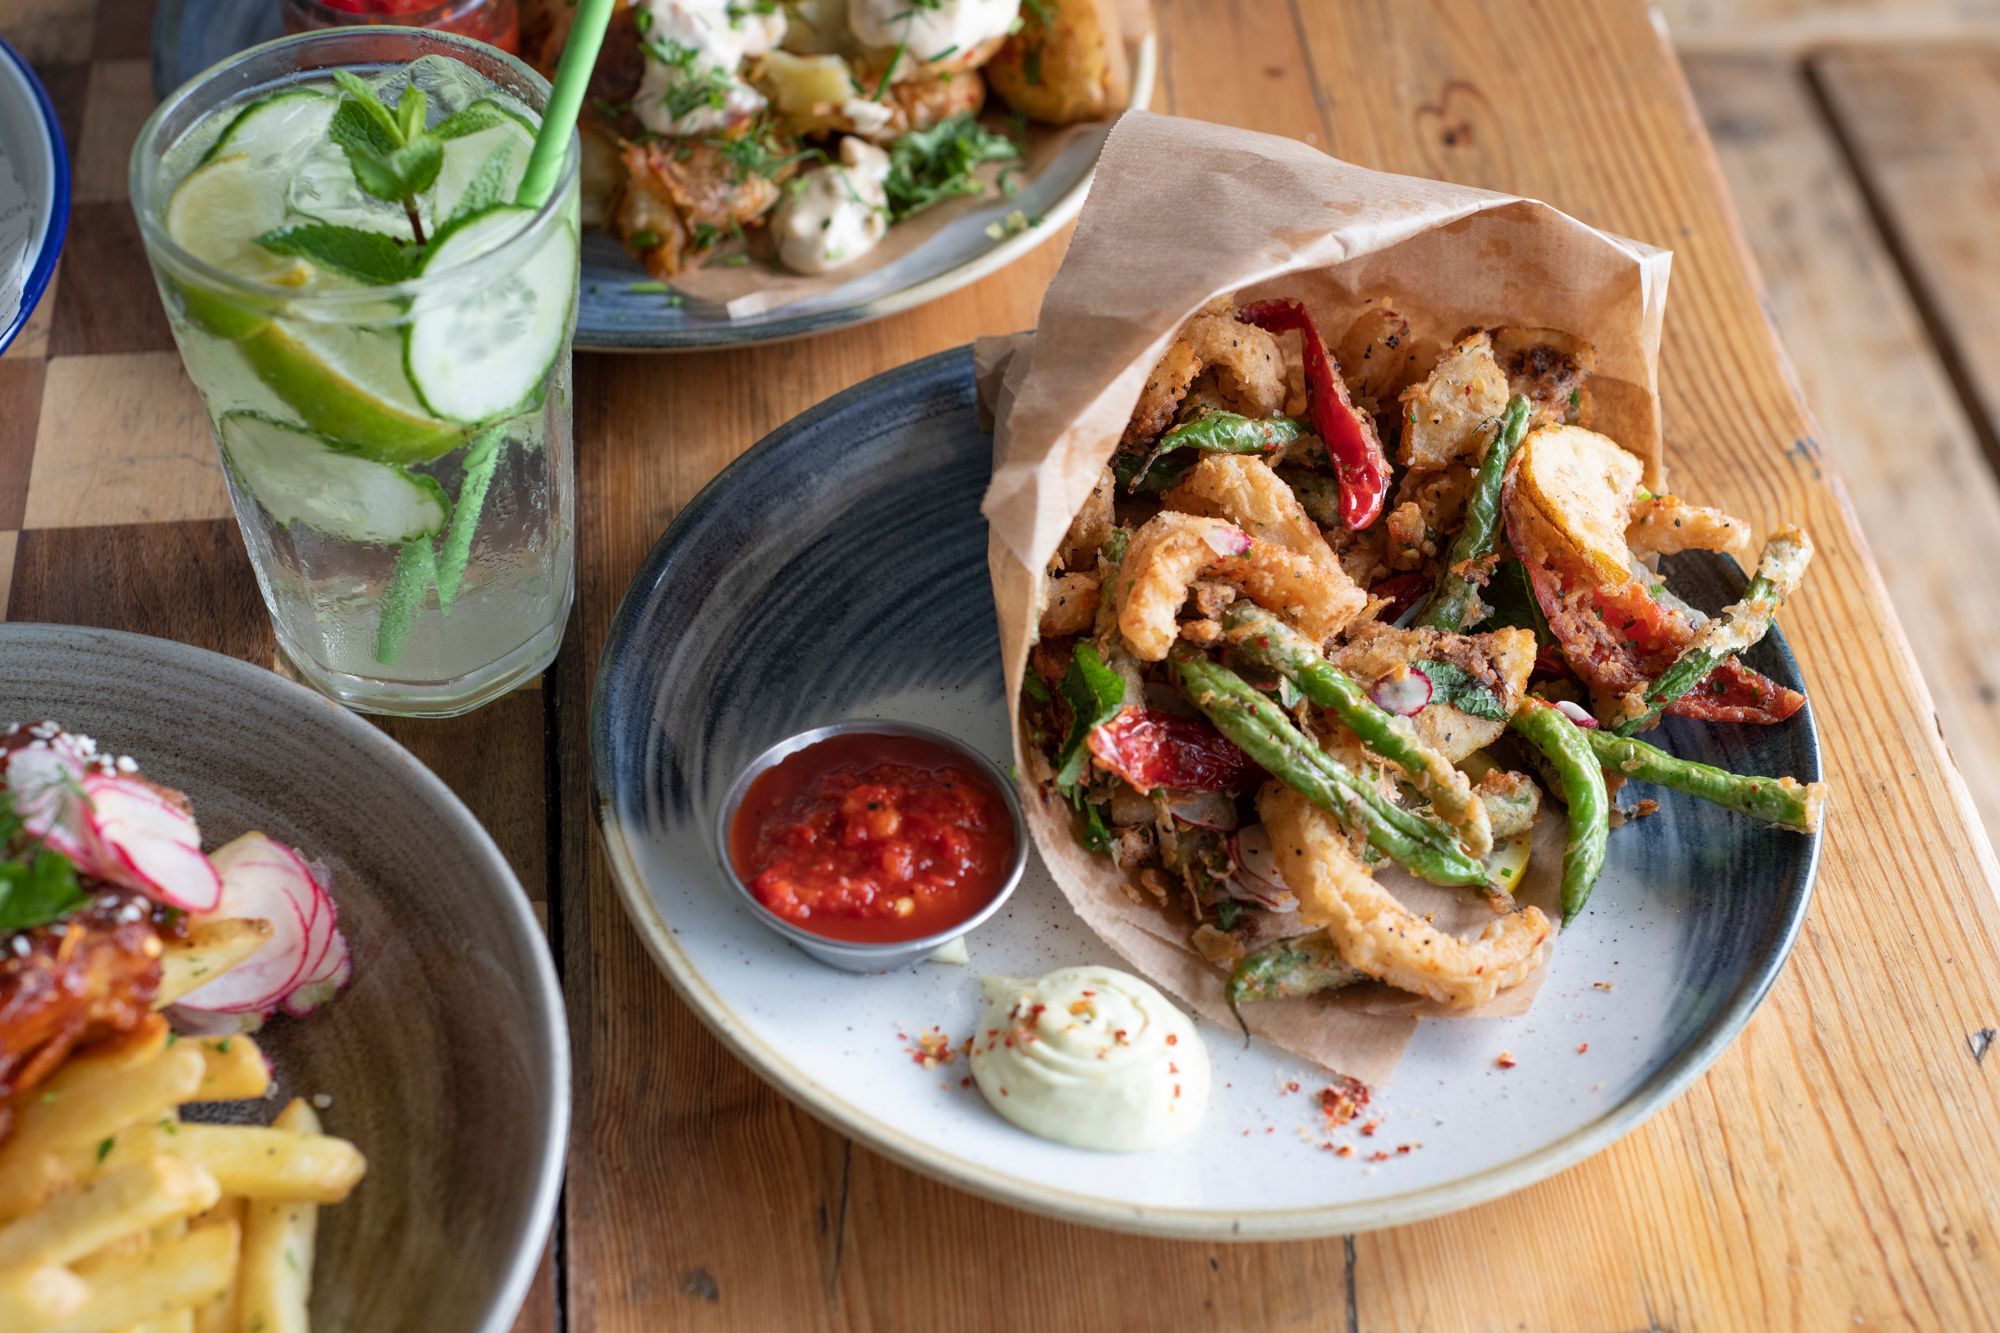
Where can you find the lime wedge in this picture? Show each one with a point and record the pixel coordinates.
(218, 212)
(343, 381)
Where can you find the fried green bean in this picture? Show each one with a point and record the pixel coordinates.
(1454, 603)
(1268, 642)
(1286, 969)
(1785, 802)
(1421, 845)
(1779, 570)
(1564, 745)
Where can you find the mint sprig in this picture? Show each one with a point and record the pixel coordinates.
(365, 256)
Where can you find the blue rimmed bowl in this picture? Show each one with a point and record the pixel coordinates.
(34, 192)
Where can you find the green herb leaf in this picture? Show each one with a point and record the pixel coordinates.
(1032, 686)
(929, 166)
(1095, 836)
(1460, 689)
(373, 173)
(361, 123)
(1094, 693)
(416, 163)
(365, 256)
(1226, 913)
(410, 113)
(469, 120)
(1513, 603)
(38, 890)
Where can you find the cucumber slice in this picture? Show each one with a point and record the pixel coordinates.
(464, 157)
(480, 355)
(271, 126)
(299, 477)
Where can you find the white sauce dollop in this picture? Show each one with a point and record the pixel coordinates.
(834, 214)
(1092, 1057)
(686, 42)
(936, 32)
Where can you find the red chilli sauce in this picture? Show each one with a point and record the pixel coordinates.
(872, 838)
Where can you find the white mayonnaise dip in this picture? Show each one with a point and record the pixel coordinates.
(930, 32)
(685, 42)
(1092, 1057)
(835, 213)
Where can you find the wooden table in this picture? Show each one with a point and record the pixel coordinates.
(1840, 1165)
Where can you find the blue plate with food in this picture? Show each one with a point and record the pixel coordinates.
(1337, 791)
(758, 172)
(34, 192)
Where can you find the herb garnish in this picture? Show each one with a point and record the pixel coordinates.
(929, 166)
(37, 884)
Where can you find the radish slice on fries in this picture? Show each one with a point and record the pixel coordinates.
(148, 844)
(45, 780)
(264, 880)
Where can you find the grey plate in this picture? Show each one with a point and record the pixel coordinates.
(838, 569)
(447, 1057)
(191, 35)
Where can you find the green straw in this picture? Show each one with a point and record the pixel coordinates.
(416, 570)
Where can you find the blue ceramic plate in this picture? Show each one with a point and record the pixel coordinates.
(34, 192)
(838, 570)
(191, 35)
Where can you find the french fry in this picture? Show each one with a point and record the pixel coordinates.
(181, 1321)
(120, 1203)
(210, 949)
(221, 1315)
(275, 1278)
(256, 1163)
(160, 1281)
(233, 1068)
(38, 1296)
(85, 1115)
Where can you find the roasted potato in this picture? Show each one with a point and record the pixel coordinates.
(1583, 485)
(1066, 64)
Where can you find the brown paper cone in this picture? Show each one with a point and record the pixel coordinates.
(1183, 212)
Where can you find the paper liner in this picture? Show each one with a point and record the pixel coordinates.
(1183, 212)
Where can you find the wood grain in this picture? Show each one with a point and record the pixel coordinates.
(1835, 1166)
(1888, 414)
(1792, 25)
(1923, 126)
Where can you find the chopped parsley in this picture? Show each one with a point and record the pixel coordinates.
(929, 166)
(697, 86)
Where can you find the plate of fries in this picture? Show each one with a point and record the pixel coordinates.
(220, 1111)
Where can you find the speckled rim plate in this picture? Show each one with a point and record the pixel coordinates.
(191, 35)
(626, 681)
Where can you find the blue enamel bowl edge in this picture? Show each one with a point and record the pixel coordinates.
(56, 228)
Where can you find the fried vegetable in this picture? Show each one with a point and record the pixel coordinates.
(1066, 64)
(1548, 368)
(1153, 750)
(1071, 607)
(1264, 640)
(1221, 433)
(1562, 743)
(1414, 841)
(1287, 969)
(1666, 524)
(1374, 932)
(1454, 605)
(1446, 416)
(1779, 572)
(1782, 801)
(1349, 436)
(1582, 484)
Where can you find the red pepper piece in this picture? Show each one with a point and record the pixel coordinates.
(1350, 436)
(1151, 749)
(1619, 639)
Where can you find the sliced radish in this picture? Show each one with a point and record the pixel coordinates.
(1251, 848)
(319, 990)
(1225, 540)
(262, 880)
(203, 1023)
(1246, 890)
(1403, 695)
(1204, 809)
(45, 779)
(1577, 714)
(151, 845)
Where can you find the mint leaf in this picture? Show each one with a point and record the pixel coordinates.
(366, 256)
(416, 163)
(37, 891)
(1462, 690)
(487, 187)
(469, 120)
(374, 174)
(410, 113)
(1095, 693)
(361, 121)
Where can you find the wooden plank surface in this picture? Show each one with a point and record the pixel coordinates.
(1791, 25)
(1837, 1167)
(1922, 124)
(1888, 415)
(1838, 1163)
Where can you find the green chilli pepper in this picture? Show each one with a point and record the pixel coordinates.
(1222, 433)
